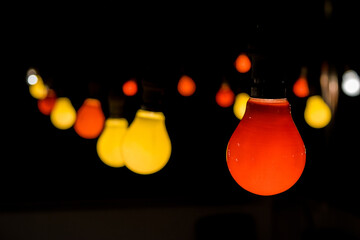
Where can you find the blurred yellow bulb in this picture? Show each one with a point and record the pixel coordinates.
(240, 104)
(38, 89)
(63, 115)
(147, 146)
(317, 113)
(109, 144)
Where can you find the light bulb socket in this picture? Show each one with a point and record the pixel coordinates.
(116, 106)
(153, 96)
(267, 70)
(268, 79)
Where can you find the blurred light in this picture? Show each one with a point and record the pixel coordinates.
(329, 86)
(351, 83)
(38, 90)
(225, 96)
(32, 79)
(47, 104)
(147, 146)
(301, 87)
(63, 115)
(240, 104)
(109, 144)
(186, 86)
(130, 87)
(317, 113)
(90, 119)
(242, 63)
(265, 154)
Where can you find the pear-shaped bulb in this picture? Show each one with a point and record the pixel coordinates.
(147, 146)
(63, 115)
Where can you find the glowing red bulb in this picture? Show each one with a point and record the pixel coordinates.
(47, 104)
(186, 86)
(242, 63)
(225, 96)
(90, 119)
(301, 87)
(266, 154)
(130, 87)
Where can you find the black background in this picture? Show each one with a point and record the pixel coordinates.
(72, 46)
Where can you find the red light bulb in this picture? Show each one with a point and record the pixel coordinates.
(242, 63)
(186, 86)
(265, 154)
(130, 87)
(90, 119)
(301, 87)
(47, 104)
(225, 96)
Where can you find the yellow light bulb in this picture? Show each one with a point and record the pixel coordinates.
(63, 115)
(317, 113)
(147, 146)
(109, 144)
(38, 89)
(240, 104)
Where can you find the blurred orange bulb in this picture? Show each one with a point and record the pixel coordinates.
(130, 87)
(225, 96)
(47, 104)
(90, 119)
(301, 87)
(186, 86)
(242, 63)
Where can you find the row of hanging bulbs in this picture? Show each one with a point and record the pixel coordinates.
(145, 147)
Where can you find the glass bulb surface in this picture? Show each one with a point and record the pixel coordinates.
(63, 115)
(130, 87)
(240, 105)
(186, 86)
(47, 104)
(38, 90)
(242, 63)
(225, 96)
(317, 113)
(90, 119)
(109, 144)
(351, 83)
(265, 154)
(301, 87)
(147, 146)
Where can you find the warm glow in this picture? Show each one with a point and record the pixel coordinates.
(301, 87)
(47, 104)
(130, 87)
(38, 90)
(147, 146)
(90, 119)
(186, 86)
(32, 79)
(351, 83)
(109, 144)
(317, 113)
(225, 96)
(240, 104)
(265, 154)
(63, 114)
(242, 63)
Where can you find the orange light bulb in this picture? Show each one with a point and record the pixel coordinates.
(265, 154)
(242, 63)
(186, 86)
(130, 87)
(225, 96)
(90, 119)
(301, 87)
(47, 104)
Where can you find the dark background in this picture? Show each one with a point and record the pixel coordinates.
(51, 172)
